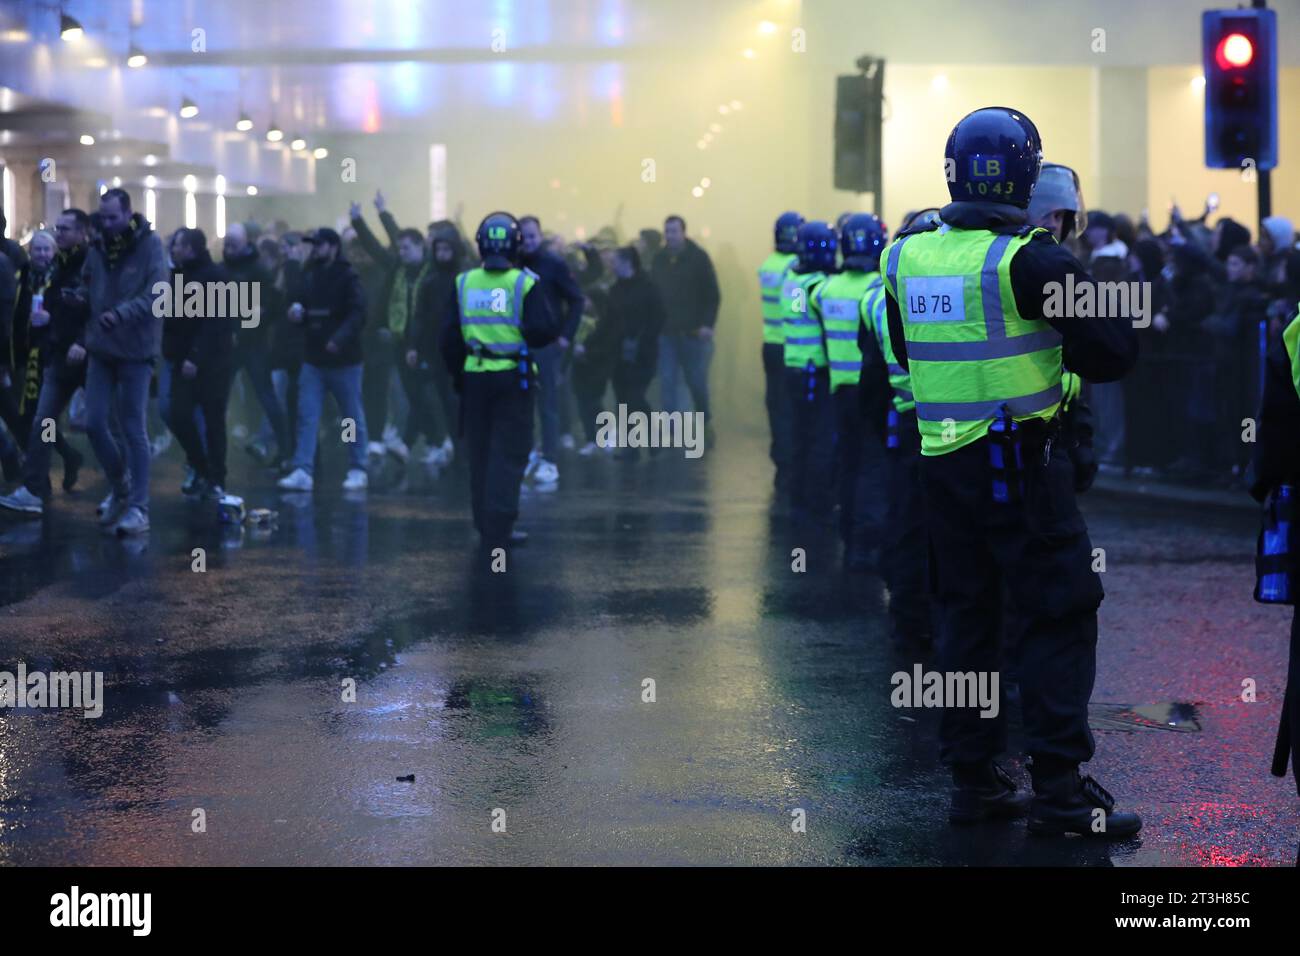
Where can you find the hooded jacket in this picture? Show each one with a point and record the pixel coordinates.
(120, 274)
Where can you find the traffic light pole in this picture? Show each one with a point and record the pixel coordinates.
(1264, 184)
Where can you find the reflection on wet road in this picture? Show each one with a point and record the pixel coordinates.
(524, 692)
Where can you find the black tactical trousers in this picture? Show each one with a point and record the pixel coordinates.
(812, 451)
(1038, 547)
(777, 399)
(498, 427)
(905, 558)
(862, 475)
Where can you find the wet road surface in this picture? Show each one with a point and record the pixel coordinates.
(518, 696)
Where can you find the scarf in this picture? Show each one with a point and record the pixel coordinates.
(31, 390)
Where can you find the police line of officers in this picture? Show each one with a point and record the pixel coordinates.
(921, 385)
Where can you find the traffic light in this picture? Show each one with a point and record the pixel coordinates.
(1239, 52)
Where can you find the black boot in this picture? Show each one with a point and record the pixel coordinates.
(1065, 802)
(984, 791)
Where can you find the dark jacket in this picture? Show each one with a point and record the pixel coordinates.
(286, 336)
(65, 300)
(206, 340)
(632, 325)
(120, 274)
(386, 262)
(335, 312)
(12, 260)
(247, 268)
(424, 325)
(563, 295)
(688, 287)
(1099, 350)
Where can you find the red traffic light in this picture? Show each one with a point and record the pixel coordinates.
(1234, 52)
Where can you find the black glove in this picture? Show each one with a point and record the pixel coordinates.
(1085, 467)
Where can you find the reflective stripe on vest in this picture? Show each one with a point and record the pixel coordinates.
(802, 330)
(1291, 340)
(968, 349)
(771, 274)
(491, 308)
(840, 304)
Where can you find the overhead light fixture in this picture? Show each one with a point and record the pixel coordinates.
(190, 182)
(274, 134)
(189, 109)
(298, 143)
(244, 124)
(320, 152)
(151, 181)
(136, 58)
(87, 139)
(69, 29)
(252, 190)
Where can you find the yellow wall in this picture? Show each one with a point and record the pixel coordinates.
(1176, 151)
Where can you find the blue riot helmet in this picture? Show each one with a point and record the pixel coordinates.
(787, 229)
(499, 239)
(817, 244)
(863, 236)
(993, 155)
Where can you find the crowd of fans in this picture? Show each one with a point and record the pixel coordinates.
(342, 312)
(1219, 296)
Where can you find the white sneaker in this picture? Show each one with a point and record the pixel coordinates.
(546, 473)
(589, 449)
(102, 508)
(356, 480)
(567, 442)
(534, 459)
(111, 510)
(160, 444)
(297, 480)
(375, 448)
(449, 449)
(134, 521)
(23, 501)
(397, 447)
(390, 434)
(435, 456)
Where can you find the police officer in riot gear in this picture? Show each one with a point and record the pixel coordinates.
(1276, 475)
(965, 305)
(807, 378)
(492, 325)
(845, 301)
(1057, 203)
(771, 275)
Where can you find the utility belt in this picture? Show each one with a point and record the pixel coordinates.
(522, 359)
(1275, 554)
(1011, 445)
